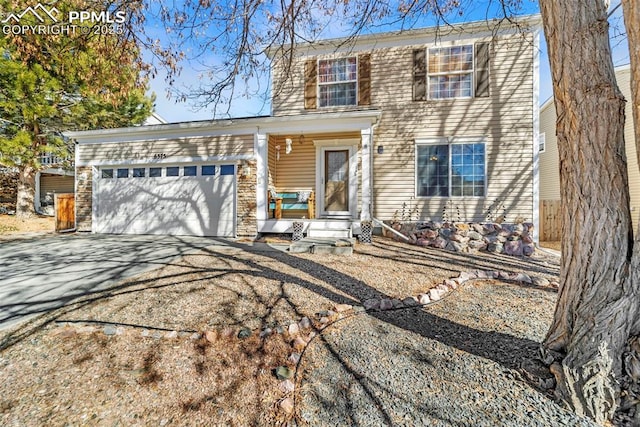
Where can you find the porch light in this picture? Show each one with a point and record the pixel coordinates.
(301, 139)
(380, 149)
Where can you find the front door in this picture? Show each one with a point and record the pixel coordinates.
(336, 182)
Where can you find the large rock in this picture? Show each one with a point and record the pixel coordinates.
(477, 244)
(513, 248)
(456, 237)
(423, 242)
(439, 243)
(488, 229)
(461, 226)
(454, 246)
(528, 249)
(496, 248)
(430, 234)
(474, 235)
(446, 233)
(478, 228)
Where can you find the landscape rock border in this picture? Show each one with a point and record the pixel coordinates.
(300, 333)
(500, 238)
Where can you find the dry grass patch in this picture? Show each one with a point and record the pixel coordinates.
(10, 224)
(133, 380)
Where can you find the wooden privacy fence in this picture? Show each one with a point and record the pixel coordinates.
(65, 208)
(550, 220)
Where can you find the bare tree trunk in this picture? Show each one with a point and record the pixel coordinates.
(598, 295)
(25, 207)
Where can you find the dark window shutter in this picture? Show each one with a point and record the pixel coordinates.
(310, 83)
(482, 69)
(419, 75)
(364, 79)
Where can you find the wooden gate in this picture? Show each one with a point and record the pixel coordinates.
(550, 221)
(65, 208)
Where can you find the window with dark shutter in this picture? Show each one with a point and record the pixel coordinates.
(310, 84)
(364, 79)
(482, 69)
(419, 75)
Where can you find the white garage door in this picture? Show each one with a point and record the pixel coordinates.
(194, 200)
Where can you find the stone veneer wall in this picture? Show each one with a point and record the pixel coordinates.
(247, 223)
(509, 239)
(8, 189)
(84, 195)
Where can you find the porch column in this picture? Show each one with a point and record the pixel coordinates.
(262, 184)
(367, 140)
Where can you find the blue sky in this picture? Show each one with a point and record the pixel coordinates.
(474, 10)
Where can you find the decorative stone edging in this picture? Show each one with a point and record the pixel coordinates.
(301, 333)
(509, 239)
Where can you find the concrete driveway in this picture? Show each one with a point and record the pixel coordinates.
(41, 274)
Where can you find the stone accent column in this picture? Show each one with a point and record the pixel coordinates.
(247, 224)
(84, 198)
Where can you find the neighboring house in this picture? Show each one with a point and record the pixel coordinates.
(432, 121)
(550, 163)
(56, 177)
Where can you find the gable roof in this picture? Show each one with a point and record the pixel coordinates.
(441, 33)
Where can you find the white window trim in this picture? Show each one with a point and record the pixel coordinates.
(542, 143)
(472, 72)
(318, 83)
(449, 141)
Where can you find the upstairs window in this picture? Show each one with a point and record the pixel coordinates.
(450, 72)
(337, 82)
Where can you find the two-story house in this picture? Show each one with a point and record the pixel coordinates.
(436, 120)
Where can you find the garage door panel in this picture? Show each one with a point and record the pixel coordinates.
(202, 206)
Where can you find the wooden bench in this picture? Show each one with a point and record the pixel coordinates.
(288, 201)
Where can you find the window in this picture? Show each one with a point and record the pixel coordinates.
(190, 171)
(107, 173)
(155, 172)
(227, 170)
(138, 172)
(208, 170)
(173, 171)
(123, 173)
(542, 142)
(455, 170)
(337, 82)
(450, 72)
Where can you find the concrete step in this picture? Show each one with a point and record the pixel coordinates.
(335, 233)
(323, 245)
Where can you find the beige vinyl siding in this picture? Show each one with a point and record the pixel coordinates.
(53, 184)
(549, 161)
(624, 76)
(296, 171)
(503, 120)
(226, 145)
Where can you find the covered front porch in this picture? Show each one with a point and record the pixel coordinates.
(315, 169)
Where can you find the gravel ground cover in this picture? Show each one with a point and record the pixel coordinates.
(468, 360)
(163, 348)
